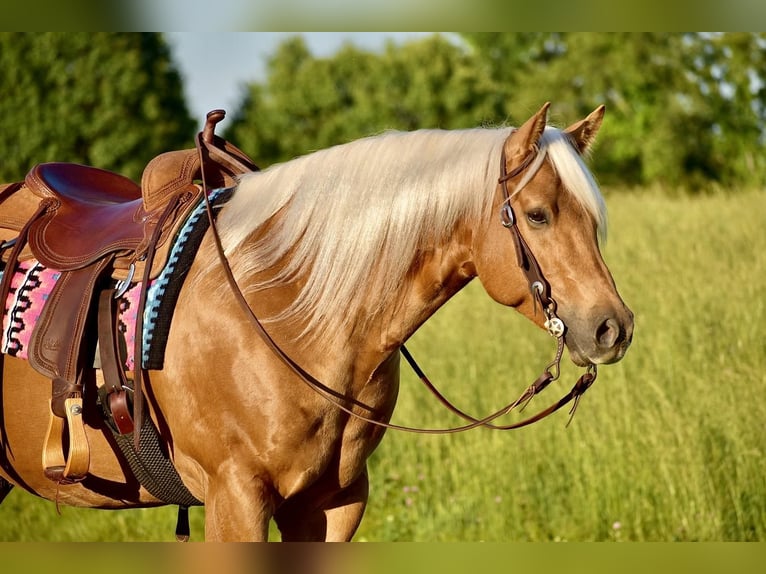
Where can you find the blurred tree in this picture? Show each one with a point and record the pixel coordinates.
(729, 71)
(112, 100)
(683, 109)
(310, 103)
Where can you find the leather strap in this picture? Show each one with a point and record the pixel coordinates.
(115, 381)
(232, 161)
(524, 256)
(54, 348)
(66, 426)
(5, 286)
(545, 379)
(138, 371)
(16, 250)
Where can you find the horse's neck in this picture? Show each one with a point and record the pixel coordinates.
(437, 276)
(372, 353)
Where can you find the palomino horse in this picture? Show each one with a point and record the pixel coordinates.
(342, 254)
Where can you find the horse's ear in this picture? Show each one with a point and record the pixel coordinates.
(524, 140)
(583, 133)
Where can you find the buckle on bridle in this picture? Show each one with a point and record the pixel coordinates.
(507, 217)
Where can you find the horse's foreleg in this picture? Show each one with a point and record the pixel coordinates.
(237, 509)
(345, 514)
(332, 518)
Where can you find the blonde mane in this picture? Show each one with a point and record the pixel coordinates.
(353, 217)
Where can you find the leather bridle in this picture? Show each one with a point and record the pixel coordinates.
(539, 288)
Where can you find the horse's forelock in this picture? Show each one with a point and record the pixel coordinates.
(575, 175)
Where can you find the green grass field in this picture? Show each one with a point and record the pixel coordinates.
(669, 444)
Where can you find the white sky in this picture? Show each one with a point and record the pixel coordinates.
(217, 65)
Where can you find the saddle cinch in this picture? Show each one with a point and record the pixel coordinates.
(100, 230)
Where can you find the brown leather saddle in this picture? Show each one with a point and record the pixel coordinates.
(100, 230)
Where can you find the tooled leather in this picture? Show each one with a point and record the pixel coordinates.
(122, 263)
(165, 175)
(17, 206)
(14, 210)
(170, 172)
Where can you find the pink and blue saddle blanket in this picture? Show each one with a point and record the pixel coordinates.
(32, 284)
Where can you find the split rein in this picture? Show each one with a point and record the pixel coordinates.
(539, 288)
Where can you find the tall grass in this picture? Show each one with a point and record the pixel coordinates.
(667, 445)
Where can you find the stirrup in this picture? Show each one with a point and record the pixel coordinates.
(72, 467)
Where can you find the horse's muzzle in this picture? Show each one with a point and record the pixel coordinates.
(603, 341)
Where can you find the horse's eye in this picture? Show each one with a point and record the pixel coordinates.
(537, 217)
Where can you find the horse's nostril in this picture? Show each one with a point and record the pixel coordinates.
(608, 334)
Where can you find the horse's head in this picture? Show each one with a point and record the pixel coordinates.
(559, 213)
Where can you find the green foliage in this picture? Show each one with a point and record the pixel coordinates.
(667, 445)
(111, 100)
(310, 103)
(684, 110)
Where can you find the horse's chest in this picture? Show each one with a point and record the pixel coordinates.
(334, 446)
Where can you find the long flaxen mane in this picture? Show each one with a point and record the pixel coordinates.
(349, 221)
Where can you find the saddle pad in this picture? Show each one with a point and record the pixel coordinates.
(164, 290)
(30, 287)
(32, 283)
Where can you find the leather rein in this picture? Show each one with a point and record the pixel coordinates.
(539, 288)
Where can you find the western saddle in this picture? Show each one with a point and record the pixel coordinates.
(100, 230)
